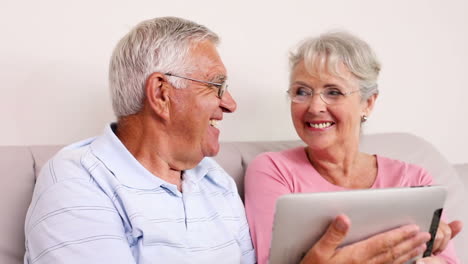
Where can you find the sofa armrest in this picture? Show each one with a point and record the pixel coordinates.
(462, 170)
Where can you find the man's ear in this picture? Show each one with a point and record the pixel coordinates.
(157, 94)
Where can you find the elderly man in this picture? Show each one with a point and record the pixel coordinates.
(144, 191)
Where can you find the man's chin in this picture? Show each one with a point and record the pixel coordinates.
(210, 144)
(211, 150)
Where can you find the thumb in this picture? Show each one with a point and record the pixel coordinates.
(335, 234)
(456, 227)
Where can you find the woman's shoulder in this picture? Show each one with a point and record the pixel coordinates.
(280, 161)
(278, 167)
(287, 155)
(401, 173)
(390, 163)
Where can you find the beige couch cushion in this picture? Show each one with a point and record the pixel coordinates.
(415, 150)
(19, 165)
(41, 155)
(17, 182)
(235, 156)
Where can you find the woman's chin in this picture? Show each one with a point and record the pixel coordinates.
(316, 147)
(319, 144)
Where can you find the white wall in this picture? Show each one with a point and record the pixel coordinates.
(54, 56)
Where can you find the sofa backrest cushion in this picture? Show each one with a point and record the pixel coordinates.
(16, 183)
(20, 165)
(235, 156)
(413, 149)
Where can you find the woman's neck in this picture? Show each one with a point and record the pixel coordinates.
(345, 167)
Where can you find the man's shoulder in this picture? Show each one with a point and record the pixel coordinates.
(65, 182)
(72, 161)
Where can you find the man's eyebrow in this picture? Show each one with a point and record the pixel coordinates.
(219, 78)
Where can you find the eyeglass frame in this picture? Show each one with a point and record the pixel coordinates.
(320, 95)
(222, 87)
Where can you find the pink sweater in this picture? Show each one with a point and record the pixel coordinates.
(273, 174)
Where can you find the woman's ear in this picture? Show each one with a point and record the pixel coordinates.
(368, 104)
(157, 94)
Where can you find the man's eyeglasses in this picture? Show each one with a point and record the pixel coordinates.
(329, 95)
(222, 87)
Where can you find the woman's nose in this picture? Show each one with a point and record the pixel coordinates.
(316, 103)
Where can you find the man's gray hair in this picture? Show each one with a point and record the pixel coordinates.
(326, 52)
(155, 45)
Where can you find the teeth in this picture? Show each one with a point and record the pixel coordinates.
(321, 125)
(213, 122)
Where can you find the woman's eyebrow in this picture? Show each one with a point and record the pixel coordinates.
(302, 84)
(332, 85)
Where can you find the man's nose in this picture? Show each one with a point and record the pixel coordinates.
(228, 104)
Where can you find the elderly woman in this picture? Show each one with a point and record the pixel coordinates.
(333, 89)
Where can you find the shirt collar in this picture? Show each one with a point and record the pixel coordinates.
(109, 149)
(210, 169)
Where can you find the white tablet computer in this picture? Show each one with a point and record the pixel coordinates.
(301, 219)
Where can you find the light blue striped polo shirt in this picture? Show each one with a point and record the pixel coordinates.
(95, 203)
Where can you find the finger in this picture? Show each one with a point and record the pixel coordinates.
(325, 248)
(456, 227)
(404, 250)
(382, 242)
(445, 240)
(431, 260)
(410, 255)
(444, 234)
(442, 237)
(334, 235)
(437, 240)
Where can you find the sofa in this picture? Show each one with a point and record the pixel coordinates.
(20, 165)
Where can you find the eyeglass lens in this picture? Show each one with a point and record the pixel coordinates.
(328, 95)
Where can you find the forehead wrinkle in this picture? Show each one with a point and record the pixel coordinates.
(211, 69)
(207, 63)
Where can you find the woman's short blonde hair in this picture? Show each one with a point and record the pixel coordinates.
(326, 52)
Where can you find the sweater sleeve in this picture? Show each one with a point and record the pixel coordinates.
(264, 183)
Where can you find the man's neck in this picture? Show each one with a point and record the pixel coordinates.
(148, 144)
